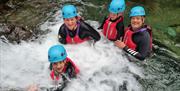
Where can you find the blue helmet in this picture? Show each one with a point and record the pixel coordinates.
(69, 11)
(56, 53)
(137, 11)
(117, 6)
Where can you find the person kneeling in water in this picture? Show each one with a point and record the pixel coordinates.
(113, 26)
(75, 30)
(137, 40)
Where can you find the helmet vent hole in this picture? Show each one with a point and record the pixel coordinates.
(62, 54)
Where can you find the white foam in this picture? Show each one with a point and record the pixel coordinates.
(102, 66)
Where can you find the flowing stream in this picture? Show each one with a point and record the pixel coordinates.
(103, 67)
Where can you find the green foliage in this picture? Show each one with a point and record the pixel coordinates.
(171, 32)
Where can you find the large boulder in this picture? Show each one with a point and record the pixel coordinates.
(15, 33)
(23, 18)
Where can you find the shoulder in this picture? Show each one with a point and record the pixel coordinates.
(85, 26)
(142, 33)
(62, 29)
(143, 36)
(71, 64)
(62, 26)
(83, 23)
(128, 28)
(120, 23)
(148, 27)
(69, 61)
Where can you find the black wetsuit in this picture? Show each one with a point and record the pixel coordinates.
(142, 41)
(119, 27)
(85, 31)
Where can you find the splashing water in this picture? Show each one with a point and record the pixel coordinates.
(103, 67)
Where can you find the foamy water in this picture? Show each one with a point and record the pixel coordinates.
(102, 66)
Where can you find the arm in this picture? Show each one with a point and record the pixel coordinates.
(88, 31)
(101, 27)
(120, 30)
(62, 34)
(32, 87)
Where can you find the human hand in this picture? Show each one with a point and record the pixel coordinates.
(32, 87)
(119, 44)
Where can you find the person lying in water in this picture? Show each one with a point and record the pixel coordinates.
(62, 69)
(61, 66)
(137, 40)
(75, 30)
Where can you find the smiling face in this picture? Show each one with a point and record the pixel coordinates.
(137, 22)
(58, 66)
(71, 23)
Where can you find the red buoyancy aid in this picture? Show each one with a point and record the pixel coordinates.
(128, 37)
(52, 74)
(109, 28)
(76, 38)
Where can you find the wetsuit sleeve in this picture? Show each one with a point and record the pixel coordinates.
(101, 26)
(143, 47)
(90, 31)
(120, 30)
(62, 34)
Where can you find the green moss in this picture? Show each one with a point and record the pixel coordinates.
(27, 13)
(162, 21)
(97, 14)
(98, 2)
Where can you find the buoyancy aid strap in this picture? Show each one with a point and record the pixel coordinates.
(128, 30)
(109, 24)
(126, 36)
(108, 29)
(141, 30)
(52, 74)
(78, 26)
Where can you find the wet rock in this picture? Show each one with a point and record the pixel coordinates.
(3, 6)
(124, 86)
(15, 33)
(22, 21)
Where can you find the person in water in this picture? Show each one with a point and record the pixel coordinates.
(113, 26)
(62, 68)
(75, 30)
(137, 40)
